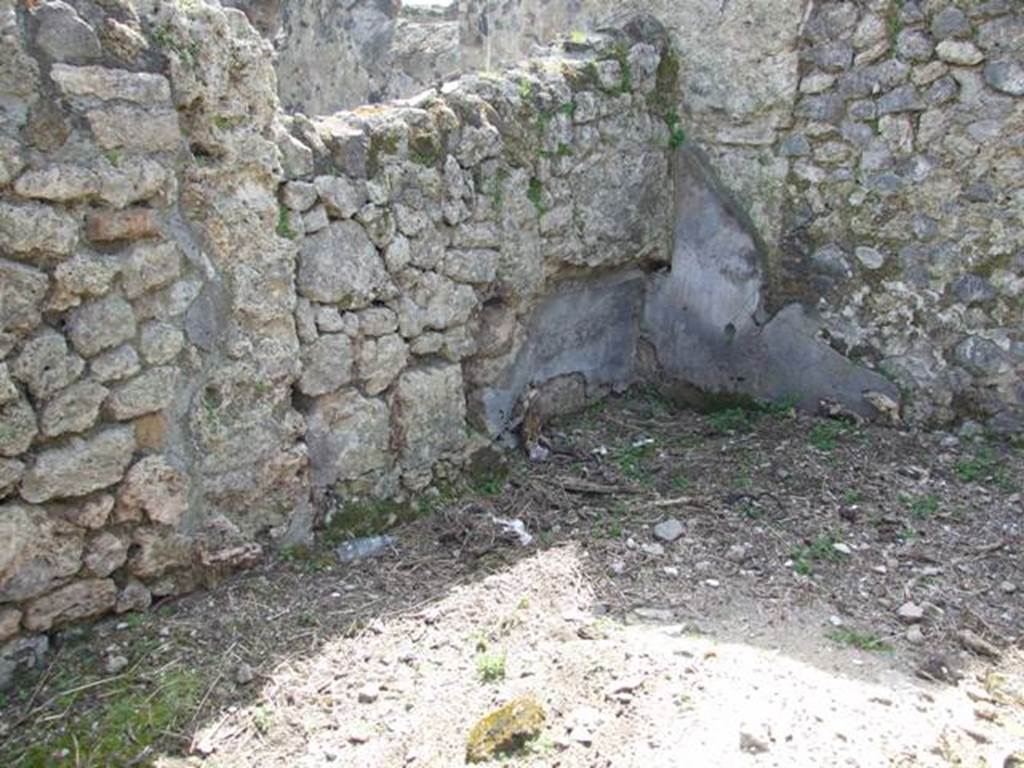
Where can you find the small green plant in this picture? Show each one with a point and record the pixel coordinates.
(921, 507)
(222, 123)
(284, 228)
(825, 435)
(525, 89)
(851, 496)
(676, 134)
(127, 726)
(977, 468)
(631, 460)
(490, 666)
(731, 420)
(535, 194)
(864, 641)
(621, 55)
(822, 549)
(681, 483)
(578, 36)
(490, 482)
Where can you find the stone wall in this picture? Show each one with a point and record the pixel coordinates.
(905, 197)
(220, 322)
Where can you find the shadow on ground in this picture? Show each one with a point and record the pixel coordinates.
(766, 627)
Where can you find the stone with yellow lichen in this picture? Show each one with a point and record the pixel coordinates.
(505, 730)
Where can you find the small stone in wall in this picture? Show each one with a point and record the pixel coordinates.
(100, 325)
(961, 54)
(342, 197)
(327, 365)
(75, 409)
(1006, 76)
(10, 623)
(340, 265)
(40, 552)
(914, 45)
(111, 226)
(476, 266)
(161, 342)
(18, 427)
(155, 488)
(377, 321)
(90, 513)
(150, 391)
(63, 35)
(116, 364)
(150, 266)
(35, 227)
(134, 596)
(11, 471)
(950, 22)
(315, 219)
(103, 83)
(105, 554)
(46, 365)
(298, 196)
(85, 275)
(80, 600)
(133, 128)
(22, 290)
(380, 361)
(79, 467)
(158, 551)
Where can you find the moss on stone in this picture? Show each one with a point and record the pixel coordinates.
(505, 730)
(424, 149)
(354, 519)
(384, 142)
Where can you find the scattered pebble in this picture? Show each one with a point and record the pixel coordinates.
(116, 664)
(669, 530)
(670, 570)
(910, 613)
(835, 621)
(654, 550)
(842, 548)
(368, 694)
(915, 635)
(244, 674)
(1008, 587)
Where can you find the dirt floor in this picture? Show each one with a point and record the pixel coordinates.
(827, 594)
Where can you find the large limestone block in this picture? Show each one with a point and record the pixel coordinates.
(105, 84)
(36, 552)
(80, 467)
(348, 437)
(339, 265)
(81, 600)
(430, 413)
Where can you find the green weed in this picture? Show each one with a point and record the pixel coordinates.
(864, 641)
(490, 667)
